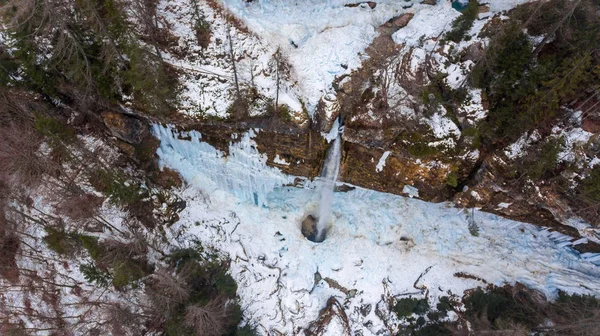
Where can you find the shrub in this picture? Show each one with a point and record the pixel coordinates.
(119, 191)
(91, 245)
(452, 179)
(463, 23)
(60, 241)
(500, 304)
(421, 149)
(126, 273)
(407, 306)
(93, 275)
(591, 185)
(246, 330)
(56, 131)
(225, 284)
(202, 30)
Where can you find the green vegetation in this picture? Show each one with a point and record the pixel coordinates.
(452, 179)
(463, 23)
(500, 305)
(207, 281)
(97, 55)
(591, 185)
(94, 275)
(525, 87)
(119, 190)
(408, 306)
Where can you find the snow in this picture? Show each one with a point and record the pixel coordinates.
(410, 191)
(280, 161)
(377, 243)
(429, 21)
(381, 162)
(244, 171)
(442, 126)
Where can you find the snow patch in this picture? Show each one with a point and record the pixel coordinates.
(381, 162)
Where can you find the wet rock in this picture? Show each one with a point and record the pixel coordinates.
(309, 228)
(179, 205)
(327, 111)
(125, 128)
(344, 188)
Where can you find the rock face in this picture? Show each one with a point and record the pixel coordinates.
(125, 128)
(474, 53)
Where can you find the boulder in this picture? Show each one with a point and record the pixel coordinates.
(125, 128)
(429, 2)
(309, 227)
(591, 125)
(403, 20)
(473, 53)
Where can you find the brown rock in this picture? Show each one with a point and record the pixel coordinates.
(473, 53)
(429, 2)
(372, 4)
(123, 127)
(403, 20)
(591, 125)
(309, 227)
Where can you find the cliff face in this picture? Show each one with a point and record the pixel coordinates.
(413, 117)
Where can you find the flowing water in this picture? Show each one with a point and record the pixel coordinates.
(328, 178)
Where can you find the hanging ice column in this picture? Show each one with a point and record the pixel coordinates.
(329, 175)
(244, 173)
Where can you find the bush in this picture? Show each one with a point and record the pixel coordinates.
(407, 306)
(421, 149)
(54, 130)
(202, 30)
(93, 275)
(463, 23)
(119, 191)
(126, 273)
(60, 241)
(225, 284)
(452, 179)
(591, 185)
(499, 304)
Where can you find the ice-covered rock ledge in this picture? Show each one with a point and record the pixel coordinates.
(379, 245)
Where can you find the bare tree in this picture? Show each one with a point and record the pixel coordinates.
(209, 319)
(22, 165)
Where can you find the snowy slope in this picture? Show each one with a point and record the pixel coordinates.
(379, 245)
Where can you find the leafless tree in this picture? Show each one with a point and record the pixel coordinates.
(22, 165)
(166, 291)
(209, 319)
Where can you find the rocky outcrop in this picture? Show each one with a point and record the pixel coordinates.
(124, 127)
(309, 228)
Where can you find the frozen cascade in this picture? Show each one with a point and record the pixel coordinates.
(244, 173)
(329, 175)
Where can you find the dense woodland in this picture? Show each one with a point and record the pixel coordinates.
(64, 62)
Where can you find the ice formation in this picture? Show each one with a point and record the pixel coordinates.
(244, 172)
(380, 244)
(328, 177)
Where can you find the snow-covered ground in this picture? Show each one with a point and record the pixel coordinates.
(379, 245)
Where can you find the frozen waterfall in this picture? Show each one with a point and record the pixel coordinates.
(329, 175)
(243, 173)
